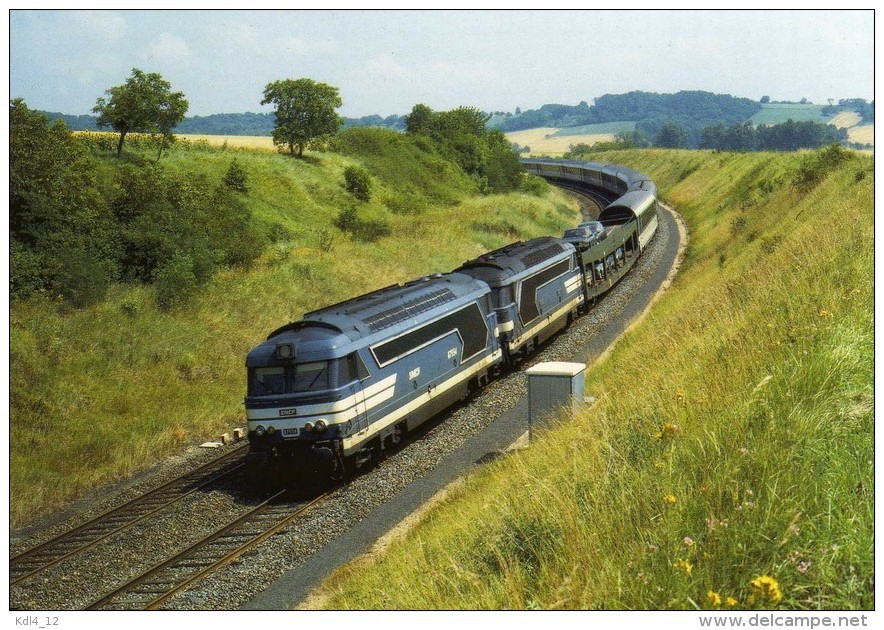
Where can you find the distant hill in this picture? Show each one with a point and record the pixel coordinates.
(692, 110)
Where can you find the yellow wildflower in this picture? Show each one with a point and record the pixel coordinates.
(765, 588)
(670, 499)
(730, 601)
(668, 430)
(684, 565)
(714, 598)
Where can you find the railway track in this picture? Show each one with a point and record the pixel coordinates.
(153, 588)
(600, 200)
(75, 541)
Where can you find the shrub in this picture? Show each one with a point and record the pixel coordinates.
(175, 282)
(815, 166)
(368, 230)
(358, 182)
(25, 270)
(235, 179)
(347, 219)
(533, 185)
(82, 278)
(326, 240)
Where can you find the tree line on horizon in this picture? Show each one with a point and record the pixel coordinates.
(788, 136)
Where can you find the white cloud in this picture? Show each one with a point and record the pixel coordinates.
(169, 48)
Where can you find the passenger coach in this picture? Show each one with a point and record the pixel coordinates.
(535, 290)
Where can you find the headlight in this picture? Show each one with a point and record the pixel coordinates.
(271, 430)
(259, 430)
(285, 351)
(308, 426)
(321, 426)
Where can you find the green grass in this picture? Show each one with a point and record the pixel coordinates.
(774, 113)
(99, 393)
(599, 128)
(732, 438)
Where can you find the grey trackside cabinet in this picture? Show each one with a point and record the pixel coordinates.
(553, 386)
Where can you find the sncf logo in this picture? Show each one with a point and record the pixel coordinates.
(287, 413)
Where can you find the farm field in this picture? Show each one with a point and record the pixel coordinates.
(234, 142)
(600, 128)
(543, 140)
(863, 134)
(846, 120)
(776, 113)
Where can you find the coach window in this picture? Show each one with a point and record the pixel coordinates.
(361, 371)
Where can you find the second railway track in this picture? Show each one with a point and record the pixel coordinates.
(83, 537)
(153, 588)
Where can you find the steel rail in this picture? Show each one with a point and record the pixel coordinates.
(163, 581)
(74, 541)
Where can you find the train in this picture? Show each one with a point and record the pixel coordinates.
(334, 390)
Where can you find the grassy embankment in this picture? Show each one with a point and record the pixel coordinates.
(98, 393)
(731, 442)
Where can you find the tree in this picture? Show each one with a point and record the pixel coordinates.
(61, 228)
(305, 112)
(420, 120)
(671, 136)
(144, 104)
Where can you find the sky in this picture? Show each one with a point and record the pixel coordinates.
(385, 62)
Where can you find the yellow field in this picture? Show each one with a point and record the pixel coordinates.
(540, 140)
(239, 142)
(234, 142)
(864, 134)
(845, 120)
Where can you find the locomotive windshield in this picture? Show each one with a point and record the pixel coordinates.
(313, 376)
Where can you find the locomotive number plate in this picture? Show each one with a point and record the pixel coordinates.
(290, 432)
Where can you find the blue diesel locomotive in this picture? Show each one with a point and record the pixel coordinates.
(329, 392)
